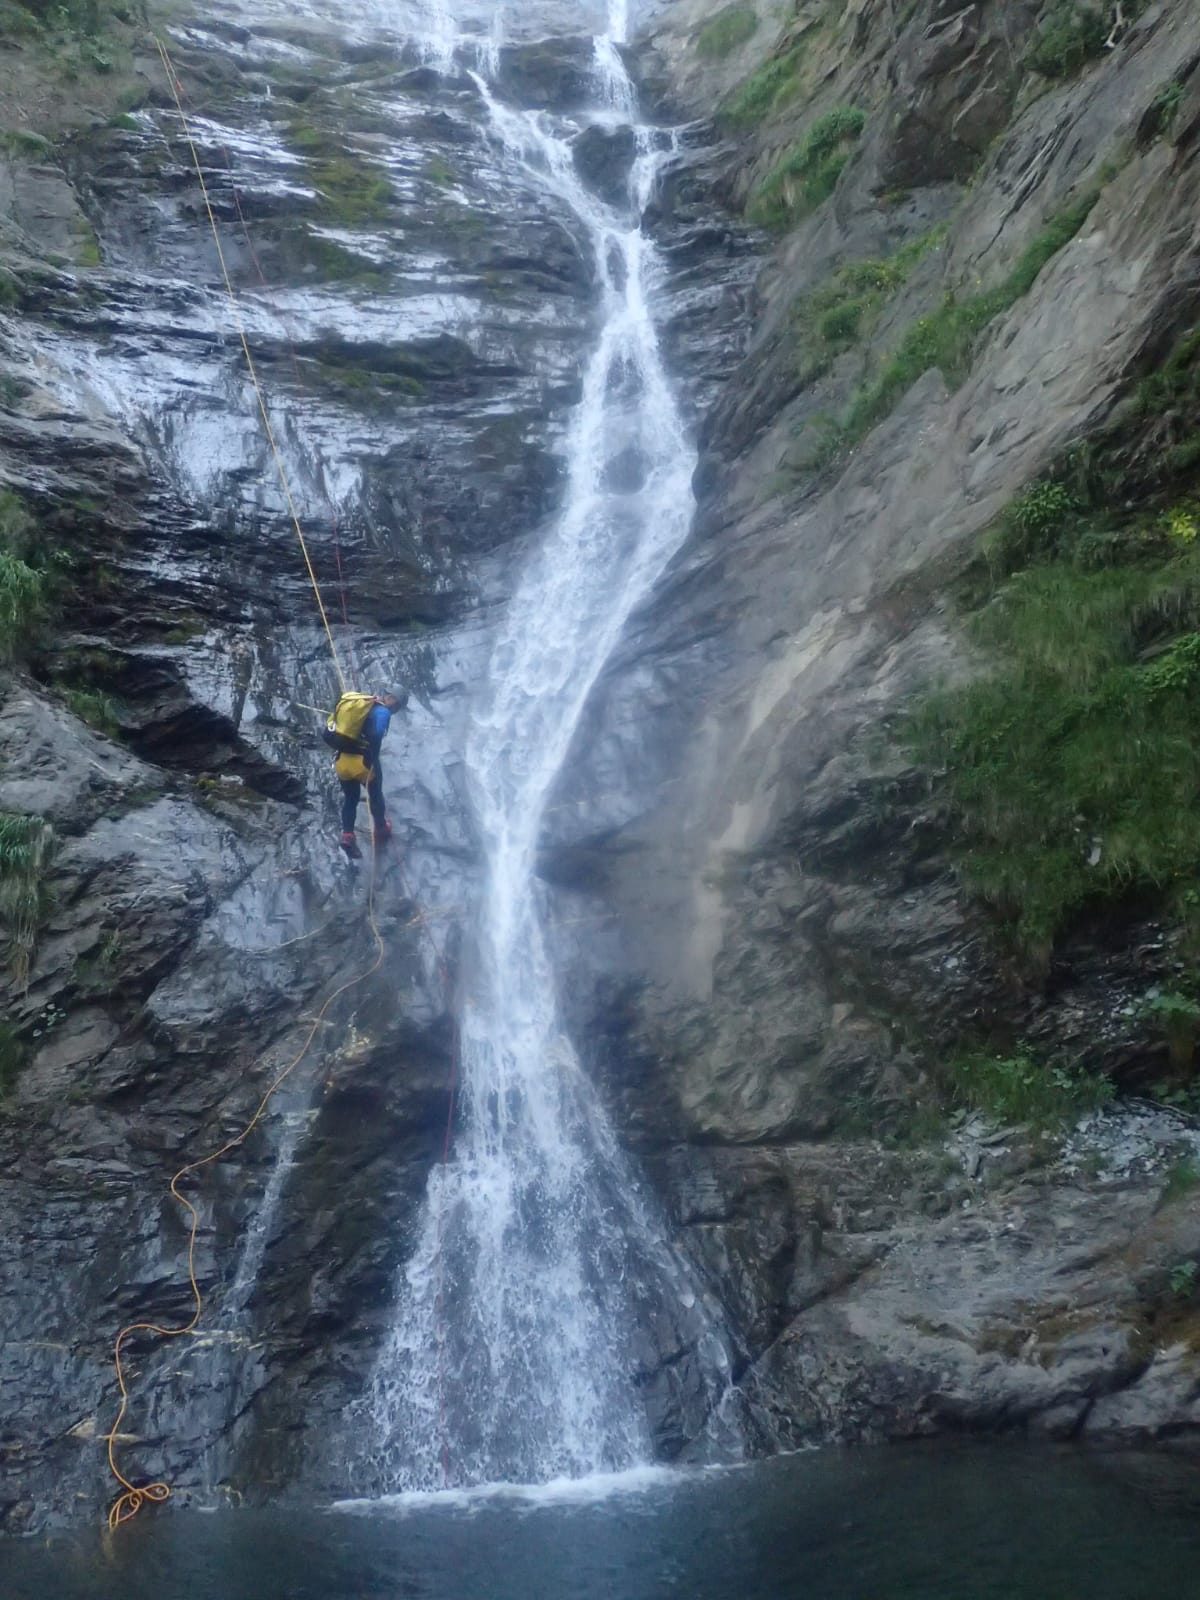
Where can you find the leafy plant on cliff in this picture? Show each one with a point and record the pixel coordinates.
(949, 337)
(25, 844)
(1167, 402)
(845, 308)
(24, 584)
(1182, 1279)
(776, 84)
(808, 173)
(97, 709)
(1178, 1015)
(1072, 767)
(726, 31)
(1020, 1088)
(1182, 1178)
(1069, 37)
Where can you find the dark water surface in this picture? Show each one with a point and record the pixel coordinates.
(912, 1524)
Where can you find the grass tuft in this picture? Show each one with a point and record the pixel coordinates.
(949, 337)
(808, 173)
(844, 309)
(353, 192)
(1072, 769)
(1069, 37)
(726, 31)
(1020, 1088)
(775, 85)
(97, 709)
(25, 844)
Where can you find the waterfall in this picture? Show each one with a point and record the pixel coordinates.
(510, 1355)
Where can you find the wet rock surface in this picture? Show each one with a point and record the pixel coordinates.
(764, 938)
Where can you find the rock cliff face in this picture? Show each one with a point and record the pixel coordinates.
(761, 913)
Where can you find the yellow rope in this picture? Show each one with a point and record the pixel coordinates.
(133, 1497)
(169, 69)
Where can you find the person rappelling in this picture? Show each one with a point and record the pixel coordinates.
(356, 730)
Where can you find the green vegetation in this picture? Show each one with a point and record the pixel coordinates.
(17, 142)
(87, 251)
(1164, 109)
(1181, 1181)
(1169, 398)
(776, 84)
(439, 171)
(949, 337)
(25, 844)
(1068, 38)
(1073, 769)
(12, 1059)
(24, 582)
(845, 308)
(360, 383)
(726, 31)
(89, 36)
(353, 192)
(1178, 1015)
(1020, 1088)
(1183, 1279)
(1075, 32)
(97, 709)
(808, 172)
(333, 262)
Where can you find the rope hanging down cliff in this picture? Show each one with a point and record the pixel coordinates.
(235, 308)
(133, 1496)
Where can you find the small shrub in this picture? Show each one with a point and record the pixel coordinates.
(1182, 1279)
(776, 84)
(1178, 1015)
(23, 594)
(1181, 1180)
(1019, 1088)
(1180, 524)
(97, 709)
(808, 173)
(19, 142)
(844, 309)
(1072, 35)
(1162, 112)
(726, 31)
(25, 844)
(1072, 770)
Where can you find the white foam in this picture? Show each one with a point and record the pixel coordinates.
(593, 1489)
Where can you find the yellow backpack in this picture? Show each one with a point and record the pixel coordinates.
(343, 733)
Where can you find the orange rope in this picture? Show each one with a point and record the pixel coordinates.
(133, 1497)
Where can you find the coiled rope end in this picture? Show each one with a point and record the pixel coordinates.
(131, 1502)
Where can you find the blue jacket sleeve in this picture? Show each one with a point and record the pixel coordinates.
(379, 719)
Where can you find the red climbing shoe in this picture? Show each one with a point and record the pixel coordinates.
(383, 835)
(350, 845)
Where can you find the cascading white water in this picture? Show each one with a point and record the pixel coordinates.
(510, 1356)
